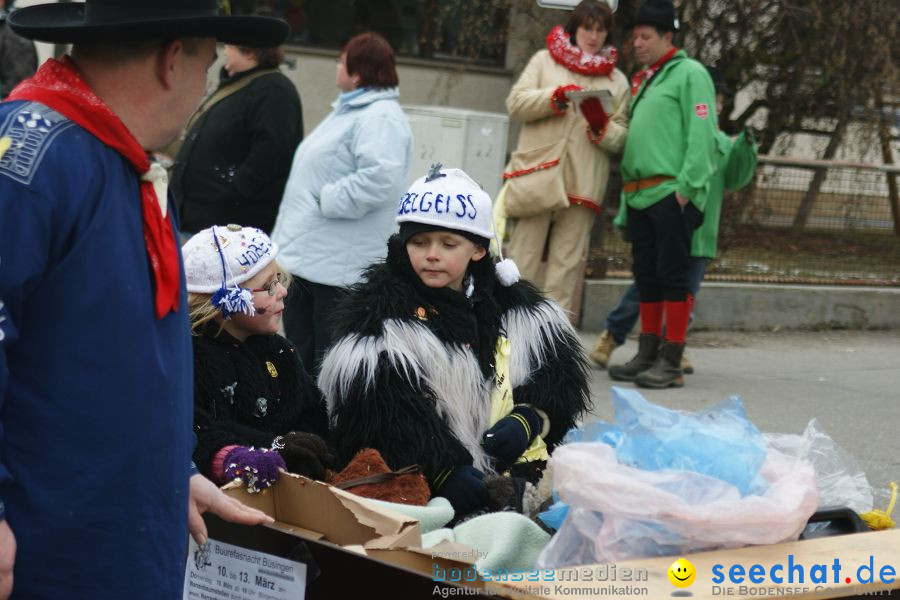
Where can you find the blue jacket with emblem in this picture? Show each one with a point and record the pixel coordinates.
(341, 196)
(95, 391)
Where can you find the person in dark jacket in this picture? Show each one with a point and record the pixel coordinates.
(18, 57)
(236, 153)
(256, 411)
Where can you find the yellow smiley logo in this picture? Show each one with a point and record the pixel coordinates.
(682, 573)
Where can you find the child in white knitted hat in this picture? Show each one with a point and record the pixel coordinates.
(256, 410)
(447, 360)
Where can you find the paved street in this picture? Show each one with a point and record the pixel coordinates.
(849, 380)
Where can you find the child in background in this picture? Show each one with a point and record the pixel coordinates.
(256, 410)
(442, 361)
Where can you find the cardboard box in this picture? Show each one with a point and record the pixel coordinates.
(353, 545)
(316, 510)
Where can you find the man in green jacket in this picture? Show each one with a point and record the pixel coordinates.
(736, 164)
(669, 160)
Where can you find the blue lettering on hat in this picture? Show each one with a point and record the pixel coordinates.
(422, 206)
(254, 252)
(474, 212)
(462, 204)
(437, 203)
(406, 205)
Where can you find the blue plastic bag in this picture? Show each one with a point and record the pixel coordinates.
(719, 441)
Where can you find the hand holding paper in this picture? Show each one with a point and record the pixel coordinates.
(561, 94)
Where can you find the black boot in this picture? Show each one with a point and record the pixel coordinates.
(667, 370)
(648, 349)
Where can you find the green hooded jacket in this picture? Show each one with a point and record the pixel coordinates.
(672, 132)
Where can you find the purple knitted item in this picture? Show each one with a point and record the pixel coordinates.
(257, 468)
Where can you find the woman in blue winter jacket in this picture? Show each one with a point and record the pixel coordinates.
(340, 199)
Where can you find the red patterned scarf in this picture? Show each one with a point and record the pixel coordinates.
(59, 86)
(650, 71)
(575, 59)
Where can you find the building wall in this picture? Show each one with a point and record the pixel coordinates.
(421, 82)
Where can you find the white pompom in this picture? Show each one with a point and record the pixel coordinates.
(507, 272)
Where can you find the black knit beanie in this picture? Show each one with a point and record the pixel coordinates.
(411, 228)
(658, 13)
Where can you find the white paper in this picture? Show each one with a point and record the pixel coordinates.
(227, 572)
(603, 95)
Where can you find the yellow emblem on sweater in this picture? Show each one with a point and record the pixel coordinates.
(272, 370)
(5, 143)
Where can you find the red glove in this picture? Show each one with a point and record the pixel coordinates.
(559, 98)
(592, 109)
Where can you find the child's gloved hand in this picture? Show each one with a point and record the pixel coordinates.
(464, 487)
(511, 435)
(593, 112)
(305, 454)
(258, 468)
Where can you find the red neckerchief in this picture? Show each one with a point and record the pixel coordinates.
(575, 59)
(650, 71)
(59, 86)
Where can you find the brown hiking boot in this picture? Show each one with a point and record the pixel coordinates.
(603, 348)
(648, 349)
(666, 372)
(686, 365)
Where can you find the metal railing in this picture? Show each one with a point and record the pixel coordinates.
(781, 230)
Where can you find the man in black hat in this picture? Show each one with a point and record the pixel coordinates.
(669, 158)
(18, 57)
(96, 491)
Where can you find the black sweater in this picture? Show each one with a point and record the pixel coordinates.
(249, 393)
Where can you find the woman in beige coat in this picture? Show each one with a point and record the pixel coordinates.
(579, 56)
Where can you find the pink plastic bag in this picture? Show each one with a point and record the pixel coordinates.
(619, 512)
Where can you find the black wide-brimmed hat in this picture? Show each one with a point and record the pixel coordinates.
(658, 13)
(72, 22)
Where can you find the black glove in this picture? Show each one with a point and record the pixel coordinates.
(305, 454)
(464, 487)
(511, 435)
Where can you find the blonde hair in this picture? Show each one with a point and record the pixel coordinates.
(201, 310)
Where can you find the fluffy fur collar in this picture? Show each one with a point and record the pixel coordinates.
(574, 59)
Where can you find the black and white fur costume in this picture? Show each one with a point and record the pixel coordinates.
(412, 369)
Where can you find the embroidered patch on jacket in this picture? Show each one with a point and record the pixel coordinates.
(30, 130)
(701, 110)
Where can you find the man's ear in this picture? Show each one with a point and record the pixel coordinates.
(480, 252)
(167, 62)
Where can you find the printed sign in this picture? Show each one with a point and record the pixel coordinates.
(219, 570)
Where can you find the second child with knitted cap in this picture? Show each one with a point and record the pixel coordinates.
(256, 410)
(447, 360)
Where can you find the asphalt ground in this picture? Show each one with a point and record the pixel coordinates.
(848, 380)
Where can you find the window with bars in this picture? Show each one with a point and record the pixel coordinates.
(457, 30)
